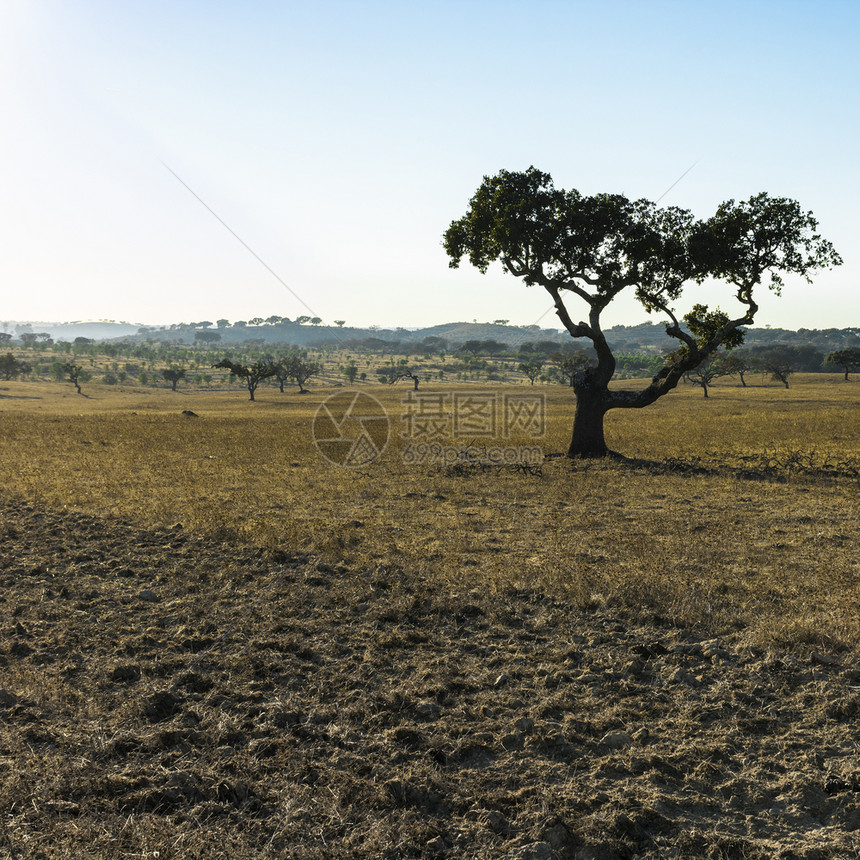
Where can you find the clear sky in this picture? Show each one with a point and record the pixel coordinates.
(339, 138)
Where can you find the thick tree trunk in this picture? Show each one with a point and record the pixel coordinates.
(588, 440)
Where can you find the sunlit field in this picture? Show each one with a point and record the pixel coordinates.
(736, 514)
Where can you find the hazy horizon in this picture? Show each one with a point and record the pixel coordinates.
(382, 326)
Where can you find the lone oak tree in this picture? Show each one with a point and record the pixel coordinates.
(253, 374)
(296, 366)
(848, 359)
(173, 375)
(595, 247)
(73, 373)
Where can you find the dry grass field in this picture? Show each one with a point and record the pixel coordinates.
(738, 511)
(426, 659)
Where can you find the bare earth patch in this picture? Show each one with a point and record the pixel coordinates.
(165, 693)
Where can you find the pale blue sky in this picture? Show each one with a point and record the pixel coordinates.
(339, 139)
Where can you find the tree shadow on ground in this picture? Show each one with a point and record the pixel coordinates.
(764, 466)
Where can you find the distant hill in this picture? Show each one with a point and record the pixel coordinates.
(99, 330)
(318, 335)
(646, 337)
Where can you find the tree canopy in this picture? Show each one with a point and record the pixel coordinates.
(253, 374)
(848, 359)
(596, 247)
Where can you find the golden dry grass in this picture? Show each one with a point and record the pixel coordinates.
(773, 554)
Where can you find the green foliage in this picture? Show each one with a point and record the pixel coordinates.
(595, 247)
(706, 325)
(10, 367)
(552, 237)
(296, 365)
(252, 374)
(570, 362)
(847, 359)
(763, 235)
(75, 374)
(778, 364)
(531, 369)
(173, 375)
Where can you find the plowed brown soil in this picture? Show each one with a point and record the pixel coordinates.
(167, 696)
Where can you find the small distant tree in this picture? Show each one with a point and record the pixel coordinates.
(500, 322)
(253, 374)
(10, 367)
(74, 373)
(316, 320)
(351, 372)
(28, 338)
(340, 323)
(532, 369)
(298, 367)
(5, 336)
(570, 362)
(207, 336)
(846, 359)
(282, 375)
(303, 319)
(702, 323)
(778, 364)
(410, 374)
(740, 363)
(390, 374)
(705, 373)
(173, 375)
(222, 323)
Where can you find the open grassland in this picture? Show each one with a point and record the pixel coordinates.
(736, 512)
(215, 643)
